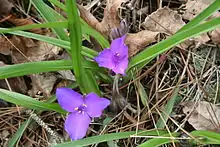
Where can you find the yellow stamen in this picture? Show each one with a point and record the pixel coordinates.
(84, 105)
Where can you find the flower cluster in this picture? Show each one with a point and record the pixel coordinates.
(82, 108)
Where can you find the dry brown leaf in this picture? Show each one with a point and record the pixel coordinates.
(164, 20)
(167, 21)
(110, 19)
(215, 35)
(42, 83)
(28, 50)
(194, 7)
(5, 7)
(203, 115)
(7, 44)
(201, 39)
(21, 22)
(139, 40)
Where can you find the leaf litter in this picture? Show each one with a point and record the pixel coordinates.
(203, 115)
(148, 23)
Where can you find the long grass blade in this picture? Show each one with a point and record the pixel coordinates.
(75, 44)
(22, 69)
(28, 102)
(107, 137)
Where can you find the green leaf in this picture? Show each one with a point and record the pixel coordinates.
(143, 94)
(50, 16)
(208, 137)
(157, 142)
(75, 44)
(168, 109)
(60, 24)
(28, 102)
(16, 70)
(58, 4)
(12, 141)
(107, 137)
(161, 47)
(86, 29)
(58, 42)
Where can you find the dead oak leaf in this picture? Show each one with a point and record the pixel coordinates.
(7, 44)
(110, 19)
(203, 115)
(164, 20)
(138, 41)
(24, 21)
(167, 21)
(215, 35)
(195, 7)
(42, 83)
(28, 50)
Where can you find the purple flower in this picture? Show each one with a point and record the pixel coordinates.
(116, 57)
(81, 108)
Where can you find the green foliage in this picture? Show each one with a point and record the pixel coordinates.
(108, 137)
(28, 102)
(168, 109)
(84, 69)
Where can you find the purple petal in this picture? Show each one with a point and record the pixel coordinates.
(68, 99)
(121, 67)
(76, 125)
(104, 59)
(95, 104)
(118, 46)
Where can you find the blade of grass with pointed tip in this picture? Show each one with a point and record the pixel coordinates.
(143, 94)
(12, 141)
(107, 137)
(168, 109)
(161, 47)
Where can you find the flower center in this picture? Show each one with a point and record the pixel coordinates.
(81, 109)
(117, 58)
